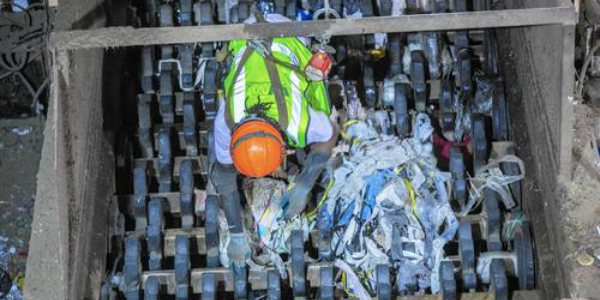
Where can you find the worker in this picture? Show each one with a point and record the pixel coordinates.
(269, 105)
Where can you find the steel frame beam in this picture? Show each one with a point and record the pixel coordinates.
(128, 36)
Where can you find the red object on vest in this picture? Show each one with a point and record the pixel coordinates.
(318, 66)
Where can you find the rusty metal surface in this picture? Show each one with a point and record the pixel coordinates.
(128, 36)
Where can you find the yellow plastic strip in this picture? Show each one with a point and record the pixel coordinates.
(411, 194)
(314, 211)
(344, 127)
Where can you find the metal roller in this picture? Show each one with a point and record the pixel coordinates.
(154, 234)
(401, 109)
(298, 266)
(274, 285)
(499, 113)
(166, 99)
(447, 107)
(465, 71)
(499, 284)
(327, 286)
(209, 96)
(182, 267)
(280, 7)
(140, 189)
(493, 221)
(209, 286)
(512, 169)
(240, 283)
(145, 125)
(132, 269)
(166, 20)
(461, 40)
(385, 8)
(384, 283)
(151, 13)
(165, 161)
(369, 83)
(417, 76)
(186, 188)
(460, 5)
(166, 16)
(147, 78)
(457, 169)
(324, 234)
(366, 7)
(523, 246)
(491, 52)
(186, 59)
(244, 11)
(395, 52)
(206, 16)
(441, 6)
(467, 256)
(151, 288)
(185, 13)
(290, 9)
(480, 142)
(447, 281)
(190, 123)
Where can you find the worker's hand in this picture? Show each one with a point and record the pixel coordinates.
(238, 250)
(298, 198)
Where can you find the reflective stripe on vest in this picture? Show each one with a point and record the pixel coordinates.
(249, 85)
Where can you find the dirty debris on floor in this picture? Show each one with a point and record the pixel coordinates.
(20, 147)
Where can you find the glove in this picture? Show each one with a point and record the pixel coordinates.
(298, 195)
(238, 249)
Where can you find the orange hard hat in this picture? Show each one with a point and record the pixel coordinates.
(257, 148)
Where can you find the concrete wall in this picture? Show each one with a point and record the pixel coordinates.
(68, 240)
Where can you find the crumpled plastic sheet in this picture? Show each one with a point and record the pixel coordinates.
(389, 88)
(484, 95)
(6, 255)
(354, 107)
(265, 196)
(352, 10)
(224, 237)
(429, 43)
(14, 293)
(229, 4)
(380, 119)
(353, 281)
(371, 197)
(447, 61)
(362, 131)
(398, 7)
(484, 261)
(271, 229)
(491, 176)
(462, 121)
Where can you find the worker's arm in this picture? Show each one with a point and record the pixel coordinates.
(324, 135)
(224, 178)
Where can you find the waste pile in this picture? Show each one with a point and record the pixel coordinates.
(421, 196)
(388, 205)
